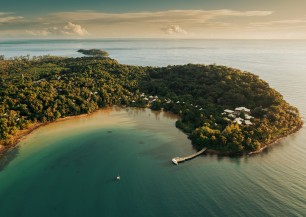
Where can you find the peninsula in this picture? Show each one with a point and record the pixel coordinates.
(227, 110)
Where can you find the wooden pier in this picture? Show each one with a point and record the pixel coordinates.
(178, 160)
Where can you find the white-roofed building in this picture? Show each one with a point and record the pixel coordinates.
(228, 111)
(238, 120)
(248, 117)
(242, 109)
(232, 116)
(247, 122)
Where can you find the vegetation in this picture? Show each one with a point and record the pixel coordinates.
(43, 89)
(204, 91)
(94, 52)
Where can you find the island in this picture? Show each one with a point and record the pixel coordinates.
(93, 52)
(229, 111)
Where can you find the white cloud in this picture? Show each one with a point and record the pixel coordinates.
(175, 23)
(5, 13)
(7, 17)
(280, 22)
(74, 29)
(38, 32)
(68, 29)
(170, 16)
(174, 30)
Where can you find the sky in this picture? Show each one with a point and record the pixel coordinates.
(208, 19)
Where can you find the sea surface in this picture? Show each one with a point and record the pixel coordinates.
(69, 168)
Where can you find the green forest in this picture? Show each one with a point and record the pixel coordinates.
(45, 88)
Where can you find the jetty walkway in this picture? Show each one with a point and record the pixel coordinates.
(178, 160)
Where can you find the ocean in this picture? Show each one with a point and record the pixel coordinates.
(69, 168)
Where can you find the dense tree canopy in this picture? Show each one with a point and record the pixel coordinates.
(42, 89)
(94, 52)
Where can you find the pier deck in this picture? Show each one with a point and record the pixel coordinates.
(178, 160)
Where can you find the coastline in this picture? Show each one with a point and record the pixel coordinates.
(273, 142)
(276, 140)
(21, 134)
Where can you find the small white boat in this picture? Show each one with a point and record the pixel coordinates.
(175, 161)
(118, 177)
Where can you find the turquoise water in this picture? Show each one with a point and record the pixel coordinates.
(69, 168)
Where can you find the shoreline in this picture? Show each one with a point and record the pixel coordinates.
(23, 133)
(18, 137)
(273, 142)
(276, 140)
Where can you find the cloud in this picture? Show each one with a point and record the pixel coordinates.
(74, 29)
(170, 16)
(174, 23)
(174, 30)
(38, 32)
(280, 22)
(7, 17)
(70, 29)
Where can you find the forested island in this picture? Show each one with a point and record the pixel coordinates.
(225, 109)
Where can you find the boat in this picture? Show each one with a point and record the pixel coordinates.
(118, 177)
(175, 161)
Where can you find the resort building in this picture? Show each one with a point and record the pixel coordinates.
(247, 122)
(228, 111)
(238, 120)
(248, 117)
(242, 109)
(234, 115)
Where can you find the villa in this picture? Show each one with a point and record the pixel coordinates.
(238, 120)
(247, 122)
(234, 115)
(242, 109)
(228, 111)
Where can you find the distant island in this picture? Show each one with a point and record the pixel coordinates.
(229, 111)
(93, 52)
